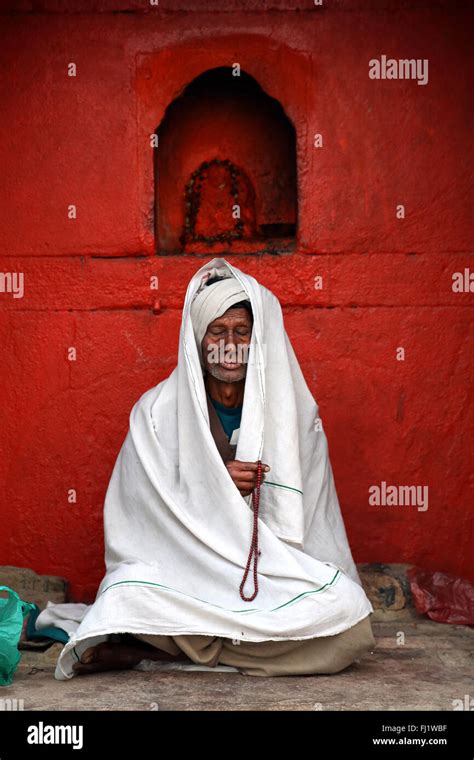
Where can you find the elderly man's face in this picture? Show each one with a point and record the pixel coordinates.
(225, 345)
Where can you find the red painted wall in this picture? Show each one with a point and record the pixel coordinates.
(386, 282)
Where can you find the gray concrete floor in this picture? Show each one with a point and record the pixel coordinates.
(416, 665)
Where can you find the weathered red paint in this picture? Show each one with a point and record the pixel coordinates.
(386, 283)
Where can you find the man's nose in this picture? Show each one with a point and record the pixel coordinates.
(230, 346)
(230, 339)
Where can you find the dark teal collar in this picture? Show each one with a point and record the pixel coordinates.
(227, 409)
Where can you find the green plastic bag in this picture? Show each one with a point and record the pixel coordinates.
(13, 611)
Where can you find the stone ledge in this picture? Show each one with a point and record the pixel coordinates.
(32, 587)
(387, 586)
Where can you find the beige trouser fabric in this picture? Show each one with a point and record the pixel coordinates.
(323, 654)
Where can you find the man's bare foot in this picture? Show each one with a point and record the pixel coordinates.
(121, 655)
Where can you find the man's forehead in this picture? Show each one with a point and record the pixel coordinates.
(239, 314)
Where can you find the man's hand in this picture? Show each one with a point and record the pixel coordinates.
(244, 474)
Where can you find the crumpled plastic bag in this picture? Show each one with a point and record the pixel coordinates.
(13, 611)
(444, 598)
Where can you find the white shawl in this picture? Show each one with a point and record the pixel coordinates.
(177, 530)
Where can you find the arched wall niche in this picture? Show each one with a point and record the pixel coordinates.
(225, 169)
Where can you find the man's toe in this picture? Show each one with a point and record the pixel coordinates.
(88, 655)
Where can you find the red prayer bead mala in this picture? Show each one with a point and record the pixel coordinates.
(254, 550)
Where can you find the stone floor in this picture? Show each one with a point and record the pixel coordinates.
(433, 667)
(416, 665)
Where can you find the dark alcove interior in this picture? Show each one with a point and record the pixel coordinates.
(225, 169)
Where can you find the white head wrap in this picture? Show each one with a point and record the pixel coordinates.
(212, 301)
